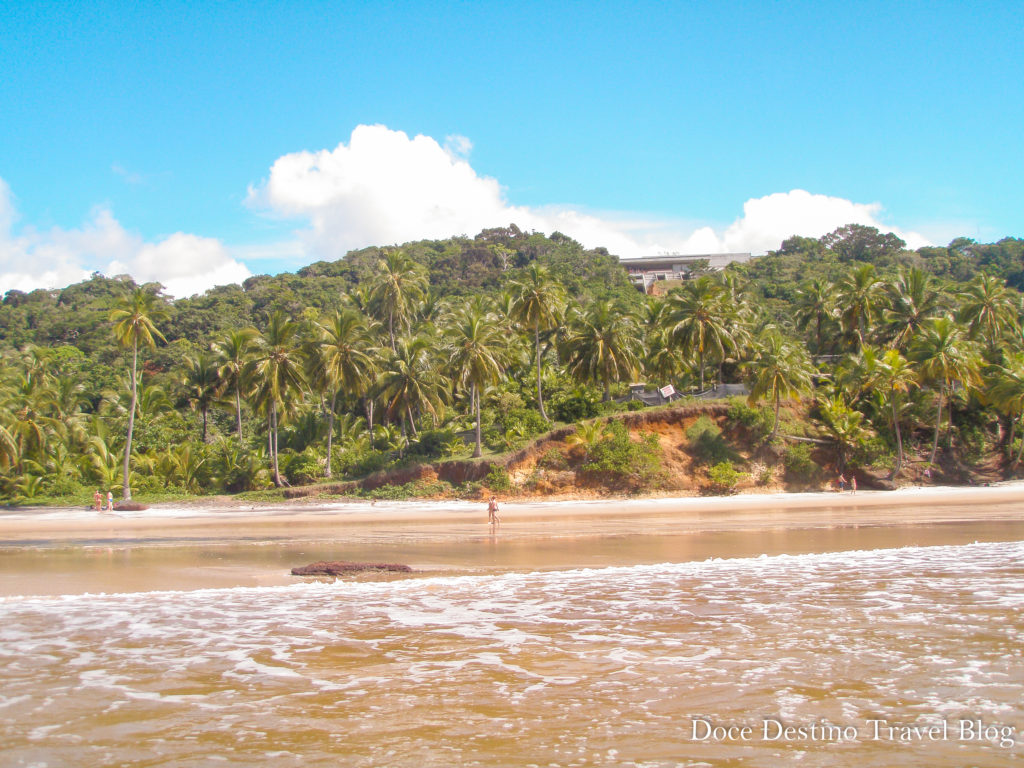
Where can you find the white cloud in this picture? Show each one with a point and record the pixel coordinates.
(183, 263)
(384, 187)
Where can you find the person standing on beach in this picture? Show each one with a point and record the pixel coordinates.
(853, 483)
(97, 500)
(492, 511)
(841, 482)
(110, 501)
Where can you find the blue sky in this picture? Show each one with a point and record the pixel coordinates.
(196, 143)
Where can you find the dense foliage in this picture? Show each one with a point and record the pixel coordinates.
(442, 348)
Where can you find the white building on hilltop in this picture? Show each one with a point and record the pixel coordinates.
(644, 272)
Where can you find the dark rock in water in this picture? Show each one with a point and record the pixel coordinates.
(130, 506)
(324, 568)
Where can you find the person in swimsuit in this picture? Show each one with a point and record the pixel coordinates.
(492, 511)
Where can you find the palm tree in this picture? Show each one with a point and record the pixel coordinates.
(398, 284)
(537, 302)
(477, 349)
(781, 369)
(944, 357)
(860, 295)
(589, 434)
(913, 300)
(1005, 390)
(409, 382)
(232, 351)
(342, 360)
(603, 344)
(698, 321)
(816, 306)
(845, 425)
(988, 308)
(894, 376)
(201, 384)
(134, 320)
(277, 371)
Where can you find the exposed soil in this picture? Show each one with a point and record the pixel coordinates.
(551, 467)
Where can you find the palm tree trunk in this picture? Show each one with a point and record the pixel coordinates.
(126, 490)
(330, 433)
(238, 411)
(540, 397)
(899, 438)
(1020, 451)
(775, 426)
(938, 421)
(475, 396)
(412, 421)
(273, 452)
(368, 406)
(204, 425)
(700, 363)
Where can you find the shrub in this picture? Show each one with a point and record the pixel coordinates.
(724, 477)
(552, 459)
(432, 442)
(621, 459)
(303, 468)
(758, 420)
(497, 478)
(576, 405)
(799, 464)
(707, 444)
(359, 462)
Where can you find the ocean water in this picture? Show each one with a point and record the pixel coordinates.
(906, 656)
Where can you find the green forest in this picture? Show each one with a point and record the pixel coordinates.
(473, 347)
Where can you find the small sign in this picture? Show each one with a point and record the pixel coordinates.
(667, 391)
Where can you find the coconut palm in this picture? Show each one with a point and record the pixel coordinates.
(476, 345)
(135, 318)
(860, 298)
(603, 344)
(846, 426)
(201, 385)
(232, 351)
(1005, 390)
(894, 376)
(342, 361)
(781, 369)
(537, 304)
(277, 373)
(409, 382)
(944, 357)
(398, 284)
(816, 307)
(698, 320)
(913, 301)
(988, 308)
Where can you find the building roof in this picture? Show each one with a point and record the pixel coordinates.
(668, 261)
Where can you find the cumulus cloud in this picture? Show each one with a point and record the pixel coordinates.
(385, 187)
(185, 264)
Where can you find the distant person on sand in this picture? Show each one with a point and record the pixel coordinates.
(492, 511)
(853, 483)
(841, 482)
(97, 500)
(110, 501)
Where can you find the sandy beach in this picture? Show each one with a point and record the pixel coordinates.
(915, 505)
(203, 545)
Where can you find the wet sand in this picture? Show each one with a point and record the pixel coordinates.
(177, 547)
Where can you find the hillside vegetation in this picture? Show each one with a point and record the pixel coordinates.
(861, 357)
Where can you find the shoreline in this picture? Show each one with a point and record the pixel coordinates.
(172, 547)
(905, 506)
